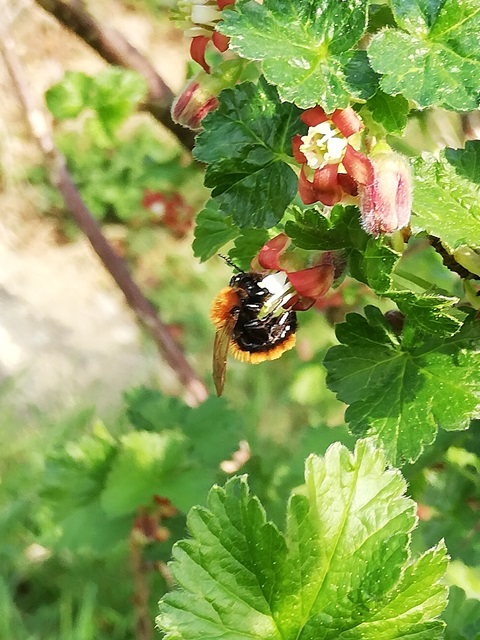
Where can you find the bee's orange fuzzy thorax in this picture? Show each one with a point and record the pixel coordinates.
(220, 312)
(260, 356)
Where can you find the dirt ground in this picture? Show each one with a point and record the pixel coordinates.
(66, 336)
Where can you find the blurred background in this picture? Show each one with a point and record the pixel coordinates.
(101, 451)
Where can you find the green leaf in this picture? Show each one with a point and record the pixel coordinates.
(451, 497)
(435, 60)
(180, 461)
(360, 77)
(149, 410)
(389, 111)
(115, 96)
(433, 314)
(340, 570)
(314, 230)
(303, 45)
(75, 474)
(246, 142)
(466, 161)
(247, 246)
(379, 16)
(141, 469)
(462, 616)
(212, 230)
(378, 264)
(68, 98)
(214, 431)
(88, 527)
(445, 203)
(401, 392)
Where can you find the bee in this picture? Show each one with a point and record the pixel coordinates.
(250, 320)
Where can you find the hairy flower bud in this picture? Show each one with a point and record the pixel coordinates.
(198, 98)
(386, 200)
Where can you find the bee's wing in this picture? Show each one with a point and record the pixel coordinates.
(220, 353)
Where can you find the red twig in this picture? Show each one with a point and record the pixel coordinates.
(141, 594)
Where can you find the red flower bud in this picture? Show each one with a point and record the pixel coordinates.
(197, 99)
(386, 200)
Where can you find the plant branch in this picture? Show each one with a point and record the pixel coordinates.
(141, 594)
(113, 47)
(117, 267)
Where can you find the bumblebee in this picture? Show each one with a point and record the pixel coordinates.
(250, 321)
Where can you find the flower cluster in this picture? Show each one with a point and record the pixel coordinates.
(335, 170)
(198, 19)
(170, 210)
(307, 282)
(331, 165)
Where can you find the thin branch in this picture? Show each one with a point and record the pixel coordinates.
(141, 594)
(60, 177)
(113, 47)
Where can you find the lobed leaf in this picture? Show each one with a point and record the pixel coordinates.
(432, 313)
(304, 45)
(360, 77)
(462, 616)
(434, 59)
(390, 111)
(142, 467)
(401, 391)
(340, 571)
(314, 230)
(116, 95)
(69, 97)
(212, 230)
(445, 202)
(246, 247)
(113, 94)
(246, 143)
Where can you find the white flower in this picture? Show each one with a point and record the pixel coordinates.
(197, 17)
(324, 144)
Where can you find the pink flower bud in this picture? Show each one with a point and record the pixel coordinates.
(386, 200)
(197, 99)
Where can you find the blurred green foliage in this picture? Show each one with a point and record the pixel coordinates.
(76, 493)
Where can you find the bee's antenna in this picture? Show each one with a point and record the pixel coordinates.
(230, 263)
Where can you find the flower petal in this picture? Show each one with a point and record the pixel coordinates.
(300, 303)
(314, 116)
(220, 41)
(313, 282)
(197, 51)
(297, 154)
(271, 252)
(346, 121)
(325, 183)
(358, 166)
(306, 189)
(348, 184)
